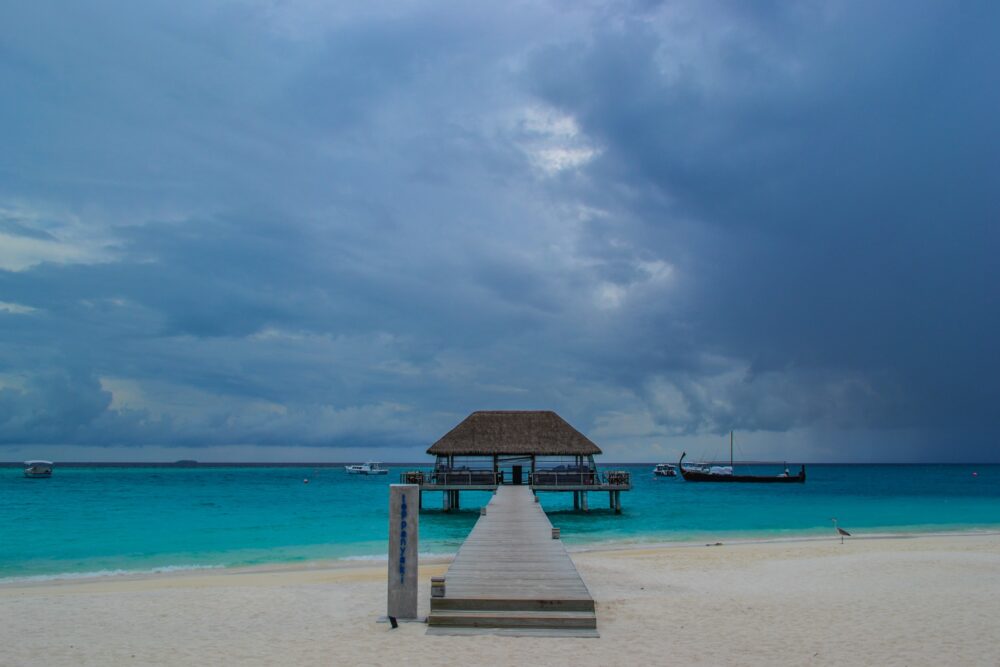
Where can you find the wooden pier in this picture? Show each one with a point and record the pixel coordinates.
(512, 576)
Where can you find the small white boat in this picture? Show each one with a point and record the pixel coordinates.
(369, 468)
(38, 468)
(665, 470)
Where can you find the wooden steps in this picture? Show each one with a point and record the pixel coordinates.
(514, 619)
(511, 575)
(507, 604)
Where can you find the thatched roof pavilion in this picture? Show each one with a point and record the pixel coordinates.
(514, 432)
(491, 448)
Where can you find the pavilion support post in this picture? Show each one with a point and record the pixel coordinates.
(576, 500)
(611, 499)
(446, 501)
(583, 501)
(458, 505)
(618, 502)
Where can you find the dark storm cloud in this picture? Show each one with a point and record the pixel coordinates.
(53, 407)
(841, 165)
(284, 224)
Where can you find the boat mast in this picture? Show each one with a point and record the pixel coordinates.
(730, 449)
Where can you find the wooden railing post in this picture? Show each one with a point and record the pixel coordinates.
(437, 587)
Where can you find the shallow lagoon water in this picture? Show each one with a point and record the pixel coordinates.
(117, 519)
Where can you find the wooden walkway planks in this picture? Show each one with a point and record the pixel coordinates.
(509, 572)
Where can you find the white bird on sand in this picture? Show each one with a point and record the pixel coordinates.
(840, 530)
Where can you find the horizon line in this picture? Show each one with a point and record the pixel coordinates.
(195, 463)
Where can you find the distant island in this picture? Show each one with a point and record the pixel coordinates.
(186, 462)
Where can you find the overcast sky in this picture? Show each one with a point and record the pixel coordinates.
(292, 230)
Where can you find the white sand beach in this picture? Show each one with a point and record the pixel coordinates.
(927, 600)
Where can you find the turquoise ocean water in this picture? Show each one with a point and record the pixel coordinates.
(115, 519)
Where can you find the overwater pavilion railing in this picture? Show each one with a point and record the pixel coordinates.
(565, 478)
(485, 478)
(542, 479)
(618, 479)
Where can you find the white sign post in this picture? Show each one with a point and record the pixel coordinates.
(404, 522)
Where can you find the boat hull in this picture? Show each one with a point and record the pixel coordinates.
(691, 476)
(702, 476)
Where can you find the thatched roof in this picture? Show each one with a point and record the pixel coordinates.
(540, 432)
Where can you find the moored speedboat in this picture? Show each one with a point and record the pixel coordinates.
(37, 469)
(665, 470)
(369, 468)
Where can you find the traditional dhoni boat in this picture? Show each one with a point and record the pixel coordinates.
(719, 473)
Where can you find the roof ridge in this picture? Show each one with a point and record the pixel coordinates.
(512, 412)
(536, 432)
